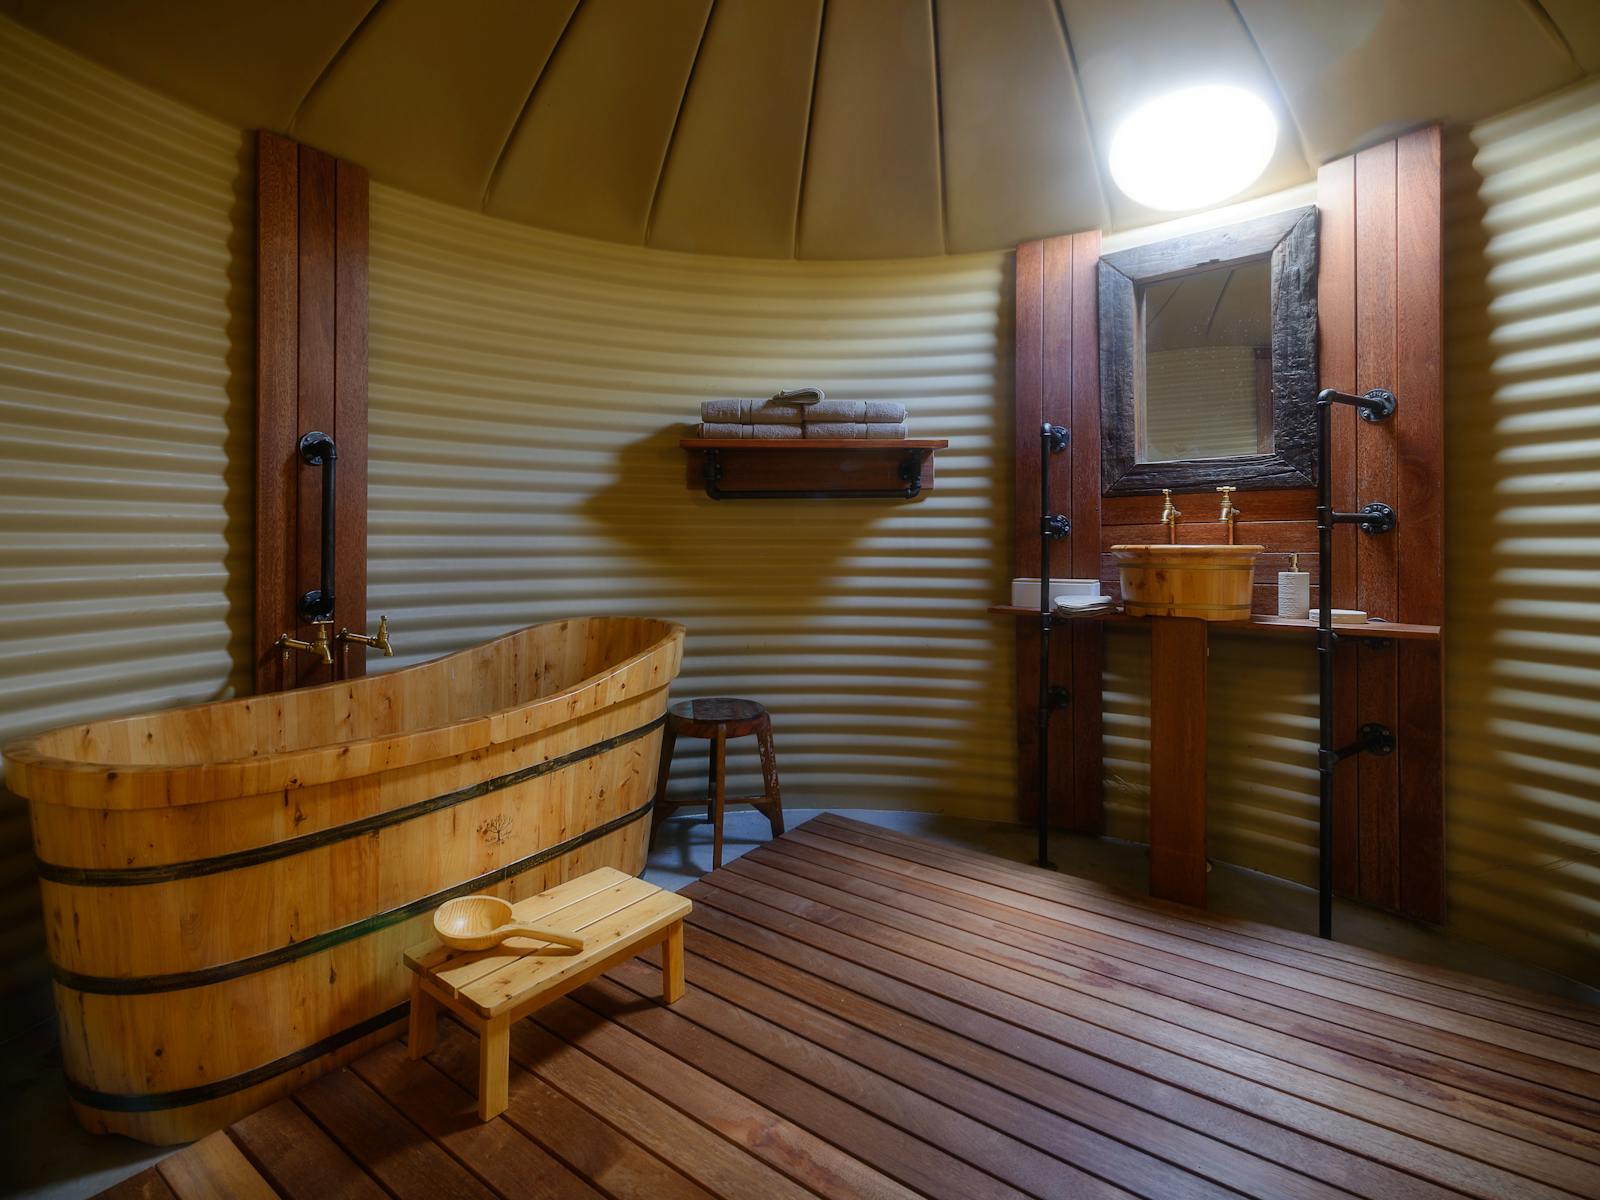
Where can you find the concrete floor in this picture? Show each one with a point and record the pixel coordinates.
(46, 1154)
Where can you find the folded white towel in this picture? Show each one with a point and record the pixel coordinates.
(720, 410)
(883, 412)
(770, 412)
(855, 429)
(727, 431)
(826, 411)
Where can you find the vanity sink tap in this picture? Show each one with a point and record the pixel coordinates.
(1170, 516)
(1230, 511)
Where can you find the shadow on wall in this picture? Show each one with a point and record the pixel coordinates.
(239, 475)
(142, 407)
(1522, 353)
(819, 600)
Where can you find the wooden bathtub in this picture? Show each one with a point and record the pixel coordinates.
(228, 888)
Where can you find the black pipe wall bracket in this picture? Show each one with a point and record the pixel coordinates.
(1377, 404)
(1053, 439)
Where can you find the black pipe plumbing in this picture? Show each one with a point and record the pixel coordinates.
(1375, 405)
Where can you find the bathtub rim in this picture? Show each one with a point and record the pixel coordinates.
(43, 778)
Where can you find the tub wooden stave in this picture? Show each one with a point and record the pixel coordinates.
(151, 1021)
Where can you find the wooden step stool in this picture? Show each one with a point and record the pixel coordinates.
(716, 719)
(617, 916)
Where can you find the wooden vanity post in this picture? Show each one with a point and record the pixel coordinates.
(1178, 759)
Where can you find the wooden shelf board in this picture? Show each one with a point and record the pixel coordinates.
(690, 443)
(1257, 624)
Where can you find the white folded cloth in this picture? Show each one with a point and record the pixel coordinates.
(727, 430)
(751, 412)
(855, 429)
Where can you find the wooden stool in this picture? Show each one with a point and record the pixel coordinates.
(617, 916)
(717, 719)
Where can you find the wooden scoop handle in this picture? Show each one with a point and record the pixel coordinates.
(549, 935)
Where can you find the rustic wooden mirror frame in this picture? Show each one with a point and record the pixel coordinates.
(1290, 240)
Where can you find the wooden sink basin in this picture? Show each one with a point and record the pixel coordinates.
(1212, 583)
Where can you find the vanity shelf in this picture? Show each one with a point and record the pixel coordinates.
(811, 469)
(1258, 624)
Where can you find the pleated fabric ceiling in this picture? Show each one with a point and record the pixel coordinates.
(813, 128)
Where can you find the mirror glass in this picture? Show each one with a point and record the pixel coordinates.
(1207, 363)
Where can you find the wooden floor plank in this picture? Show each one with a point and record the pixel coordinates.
(1379, 970)
(872, 1016)
(820, 1166)
(758, 1018)
(1008, 1093)
(594, 1150)
(1554, 1037)
(926, 1169)
(298, 1159)
(1369, 1117)
(1468, 1067)
(213, 1167)
(146, 1185)
(1077, 979)
(728, 939)
(494, 1151)
(717, 1165)
(409, 1164)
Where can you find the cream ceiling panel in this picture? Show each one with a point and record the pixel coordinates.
(250, 63)
(1199, 42)
(872, 184)
(1579, 24)
(1015, 135)
(587, 154)
(426, 99)
(646, 123)
(1352, 72)
(732, 179)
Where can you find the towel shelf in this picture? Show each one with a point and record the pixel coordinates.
(811, 469)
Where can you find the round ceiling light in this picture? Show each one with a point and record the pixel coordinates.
(1192, 148)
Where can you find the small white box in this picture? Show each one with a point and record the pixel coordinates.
(1025, 592)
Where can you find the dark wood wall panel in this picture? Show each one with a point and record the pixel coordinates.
(311, 374)
(1057, 380)
(350, 403)
(1380, 303)
(277, 373)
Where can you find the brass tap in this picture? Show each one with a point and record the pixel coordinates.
(1169, 517)
(317, 646)
(1230, 511)
(379, 640)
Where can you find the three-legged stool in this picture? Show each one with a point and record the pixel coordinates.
(717, 719)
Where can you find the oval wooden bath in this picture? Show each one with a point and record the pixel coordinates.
(228, 889)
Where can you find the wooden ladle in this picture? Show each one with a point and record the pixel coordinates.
(478, 922)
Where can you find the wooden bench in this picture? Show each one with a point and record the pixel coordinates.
(617, 916)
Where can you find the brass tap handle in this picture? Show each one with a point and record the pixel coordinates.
(379, 641)
(1169, 516)
(318, 645)
(1230, 510)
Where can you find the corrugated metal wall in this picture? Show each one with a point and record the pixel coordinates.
(1522, 442)
(527, 394)
(126, 301)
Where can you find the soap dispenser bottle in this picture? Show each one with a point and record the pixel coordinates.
(1294, 591)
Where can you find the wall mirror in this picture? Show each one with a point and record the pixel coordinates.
(1208, 359)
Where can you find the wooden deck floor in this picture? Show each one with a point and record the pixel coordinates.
(871, 1015)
